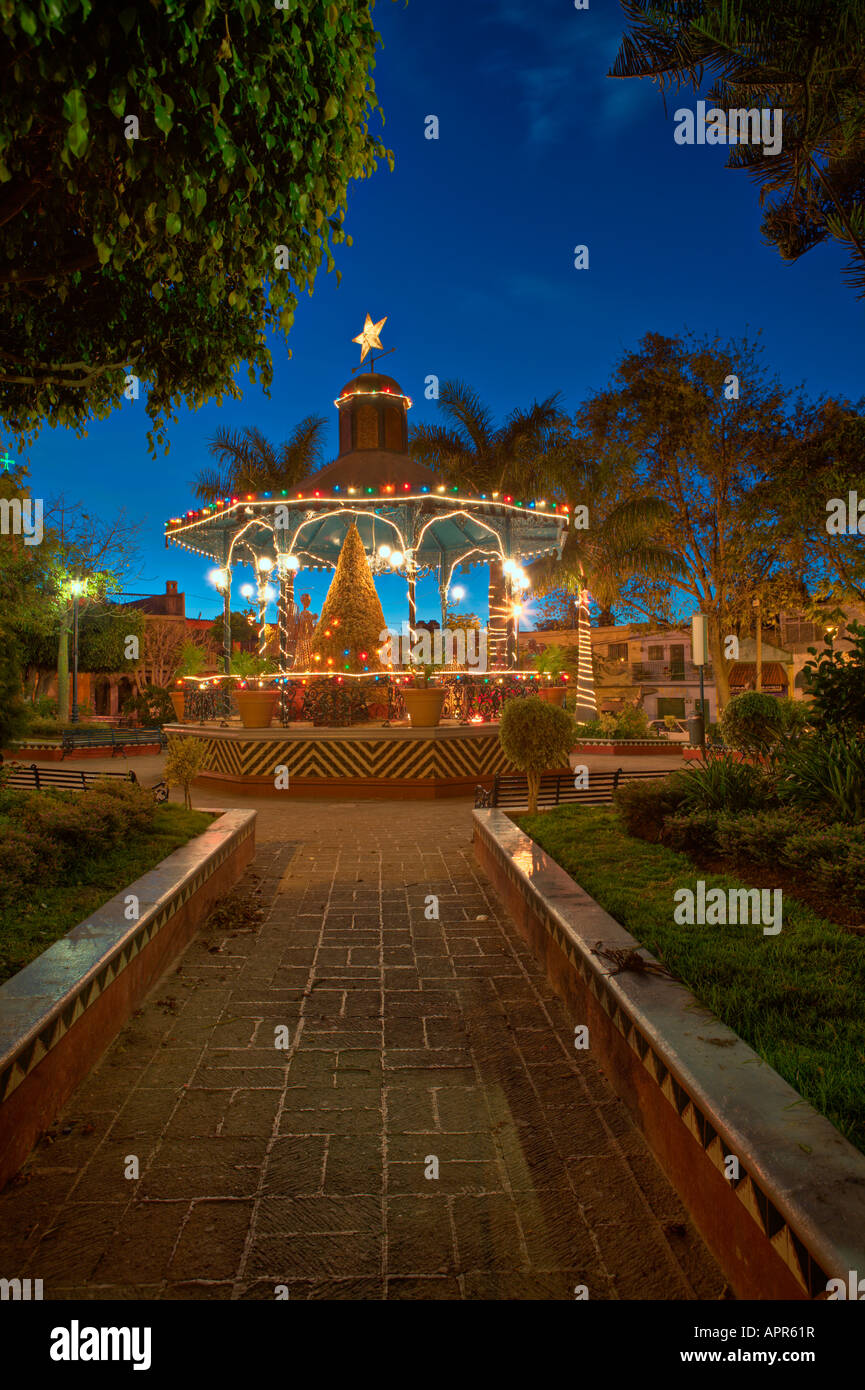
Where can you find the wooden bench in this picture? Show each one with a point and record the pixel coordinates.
(115, 739)
(31, 777)
(510, 791)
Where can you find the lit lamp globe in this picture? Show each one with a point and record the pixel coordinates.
(384, 552)
(248, 591)
(264, 564)
(458, 593)
(290, 563)
(396, 559)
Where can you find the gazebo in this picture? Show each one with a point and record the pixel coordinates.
(411, 521)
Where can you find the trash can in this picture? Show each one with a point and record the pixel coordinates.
(696, 730)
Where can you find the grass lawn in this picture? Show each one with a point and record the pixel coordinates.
(797, 998)
(27, 928)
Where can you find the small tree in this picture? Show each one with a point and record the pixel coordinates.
(751, 721)
(535, 737)
(185, 759)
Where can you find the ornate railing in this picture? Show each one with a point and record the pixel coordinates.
(330, 703)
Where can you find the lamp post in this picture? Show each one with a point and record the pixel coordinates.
(77, 586)
(221, 579)
(263, 566)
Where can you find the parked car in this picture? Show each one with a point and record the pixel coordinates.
(676, 731)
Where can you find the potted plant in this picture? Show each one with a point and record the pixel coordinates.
(255, 705)
(424, 701)
(551, 662)
(191, 664)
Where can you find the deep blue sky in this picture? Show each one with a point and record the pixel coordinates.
(468, 249)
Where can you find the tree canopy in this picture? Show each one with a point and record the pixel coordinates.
(803, 57)
(170, 176)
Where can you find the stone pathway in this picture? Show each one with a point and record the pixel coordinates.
(416, 1046)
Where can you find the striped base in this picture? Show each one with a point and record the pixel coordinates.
(398, 762)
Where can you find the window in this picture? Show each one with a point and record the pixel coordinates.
(367, 427)
(618, 651)
(393, 429)
(656, 654)
(671, 706)
(800, 630)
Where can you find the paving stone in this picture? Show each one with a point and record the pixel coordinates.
(409, 1037)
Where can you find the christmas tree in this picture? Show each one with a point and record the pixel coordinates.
(348, 633)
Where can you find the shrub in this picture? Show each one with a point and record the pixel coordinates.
(643, 806)
(826, 771)
(153, 707)
(691, 832)
(535, 736)
(187, 756)
(21, 862)
(723, 783)
(759, 836)
(137, 802)
(833, 855)
(751, 722)
(836, 683)
(632, 722)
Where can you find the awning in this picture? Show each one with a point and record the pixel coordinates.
(774, 678)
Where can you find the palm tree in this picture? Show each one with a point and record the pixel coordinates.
(618, 542)
(249, 462)
(483, 458)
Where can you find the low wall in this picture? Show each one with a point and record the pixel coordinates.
(651, 748)
(795, 1216)
(356, 762)
(59, 1014)
(53, 753)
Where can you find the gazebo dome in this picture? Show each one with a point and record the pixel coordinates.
(372, 415)
(370, 382)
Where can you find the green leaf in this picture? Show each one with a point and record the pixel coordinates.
(76, 139)
(173, 224)
(331, 109)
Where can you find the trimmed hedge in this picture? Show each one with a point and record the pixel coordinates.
(46, 835)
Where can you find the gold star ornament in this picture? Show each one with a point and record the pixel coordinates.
(369, 337)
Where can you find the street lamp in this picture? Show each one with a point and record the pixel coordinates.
(263, 566)
(77, 587)
(221, 579)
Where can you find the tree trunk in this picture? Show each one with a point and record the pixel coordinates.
(720, 664)
(63, 670)
(533, 779)
(587, 705)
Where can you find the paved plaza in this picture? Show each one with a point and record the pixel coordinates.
(426, 1130)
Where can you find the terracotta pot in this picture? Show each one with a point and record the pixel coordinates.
(424, 706)
(256, 707)
(553, 694)
(178, 699)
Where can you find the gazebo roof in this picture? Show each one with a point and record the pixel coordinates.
(370, 468)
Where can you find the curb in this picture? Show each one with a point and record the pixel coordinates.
(60, 1013)
(795, 1217)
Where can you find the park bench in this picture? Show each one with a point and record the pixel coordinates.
(510, 791)
(115, 739)
(29, 776)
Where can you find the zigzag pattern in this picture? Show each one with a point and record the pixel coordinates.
(811, 1277)
(359, 758)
